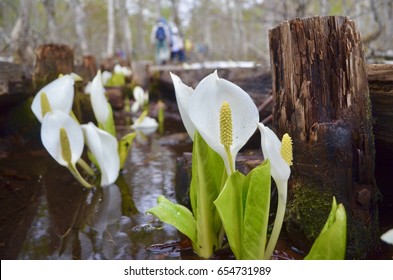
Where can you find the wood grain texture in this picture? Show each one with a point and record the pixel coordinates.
(321, 99)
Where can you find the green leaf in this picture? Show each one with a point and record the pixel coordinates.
(124, 147)
(331, 242)
(176, 215)
(230, 207)
(109, 125)
(244, 210)
(117, 80)
(161, 116)
(208, 175)
(256, 213)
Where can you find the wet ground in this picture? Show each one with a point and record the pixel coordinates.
(46, 214)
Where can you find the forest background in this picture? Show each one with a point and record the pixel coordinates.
(224, 29)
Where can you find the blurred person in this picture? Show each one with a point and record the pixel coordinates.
(177, 46)
(161, 39)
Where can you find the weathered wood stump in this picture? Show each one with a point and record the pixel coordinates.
(52, 60)
(380, 81)
(116, 97)
(88, 68)
(321, 97)
(14, 86)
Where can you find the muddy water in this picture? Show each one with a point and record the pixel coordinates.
(47, 215)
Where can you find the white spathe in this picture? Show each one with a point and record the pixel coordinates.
(106, 76)
(204, 111)
(139, 98)
(147, 126)
(98, 99)
(271, 148)
(183, 94)
(388, 237)
(104, 148)
(280, 171)
(126, 71)
(50, 136)
(60, 94)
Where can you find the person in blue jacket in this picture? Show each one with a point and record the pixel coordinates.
(161, 39)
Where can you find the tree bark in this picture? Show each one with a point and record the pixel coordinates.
(380, 80)
(51, 20)
(89, 67)
(110, 50)
(127, 33)
(321, 99)
(51, 61)
(140, 30)
(80, 26)
(22, 51)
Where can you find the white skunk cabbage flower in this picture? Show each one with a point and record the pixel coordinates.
(98, 99)
(57, 95)
(62, 137)
(224, 115)
(183, 94)
(139, 97)
(104, 148)
(279, 153)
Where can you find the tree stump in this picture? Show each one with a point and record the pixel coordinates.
(89, 68)
(380, 81)
(52, 60)
(321, 99)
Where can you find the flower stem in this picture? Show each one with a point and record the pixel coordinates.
(278, 221)
(79, 177)
(229, 155)
(85, 167)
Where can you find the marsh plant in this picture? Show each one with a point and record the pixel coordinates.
(220, 118)
(65, 138)
(228, 208)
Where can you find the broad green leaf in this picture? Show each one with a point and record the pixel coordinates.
(244, 210)
(331, 242)
(207, 178)
(230, 207)
(176, 215)
(124, 147)
(256, 213)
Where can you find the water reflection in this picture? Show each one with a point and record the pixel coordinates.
(105, 223)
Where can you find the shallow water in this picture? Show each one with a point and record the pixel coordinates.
(48, 215)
